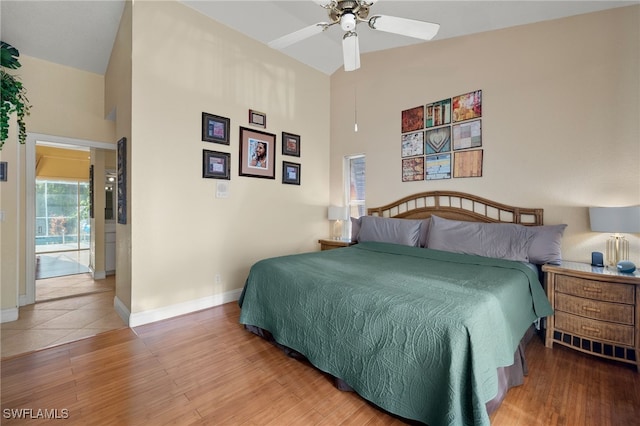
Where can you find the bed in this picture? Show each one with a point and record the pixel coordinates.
(426, 316)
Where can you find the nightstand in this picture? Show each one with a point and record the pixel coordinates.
(333, 244)
(596, 311)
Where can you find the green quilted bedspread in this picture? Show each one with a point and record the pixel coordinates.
(418, 332)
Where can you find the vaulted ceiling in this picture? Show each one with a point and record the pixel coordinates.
(80, 34)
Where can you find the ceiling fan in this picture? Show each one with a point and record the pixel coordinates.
(349, 13)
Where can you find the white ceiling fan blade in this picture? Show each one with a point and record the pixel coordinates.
(351, 51)
(294, 37)
(406, 27)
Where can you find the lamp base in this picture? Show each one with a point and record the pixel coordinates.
(617, 250)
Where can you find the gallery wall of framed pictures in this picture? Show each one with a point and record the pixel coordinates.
(443, 139)
(256, 150)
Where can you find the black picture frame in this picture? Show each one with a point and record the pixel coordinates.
(215, 128)
(290, 173)
(216, 165)
(250, 164)
(290, 144)
(122, 181)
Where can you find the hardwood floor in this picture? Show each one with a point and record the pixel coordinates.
(204, 368)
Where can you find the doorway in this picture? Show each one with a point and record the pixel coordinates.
(58, 227)
(63, 228)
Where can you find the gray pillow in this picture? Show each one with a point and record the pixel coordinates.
(424, 232)
(497, 240)
(355, 228)
(546, 244)
(390, 230)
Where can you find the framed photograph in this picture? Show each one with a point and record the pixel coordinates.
(257, 154)
(290, 173)
(412, 169)
(467, 106)
(413, 119)
(215, 128)
(290, 144)
(3, 171)
(438, 113)
(439, 166)
(467, 163)
(257, 118)
(467, 135)
(122, 181)
(412, 144)
(438, 140)
(215, 165)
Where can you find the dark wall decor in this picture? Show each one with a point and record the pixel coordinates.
(91, 200)
(440, 139)
(122, 181)
(290, 144)
(215, 128)
(290, 173)
(216, 165)
(4, 169)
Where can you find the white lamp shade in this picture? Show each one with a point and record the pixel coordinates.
(338, 213)
(624, 220)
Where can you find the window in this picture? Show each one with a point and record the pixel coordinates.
(354, 185)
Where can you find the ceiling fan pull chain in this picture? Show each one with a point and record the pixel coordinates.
(355, 106)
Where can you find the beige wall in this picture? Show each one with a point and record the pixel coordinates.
(560, 123)
(65, 102)
(10, 241)
(117, 103)
(181, 234)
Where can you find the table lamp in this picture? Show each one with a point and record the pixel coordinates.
(337, 214)
(616, 220)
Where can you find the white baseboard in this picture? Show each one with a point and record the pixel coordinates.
(22, 300)
(153, 315)
(121, 310)
(8, 315)
(98, 275)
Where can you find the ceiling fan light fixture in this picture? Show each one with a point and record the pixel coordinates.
(348, 22)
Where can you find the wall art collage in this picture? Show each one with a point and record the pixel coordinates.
(442, 139)
(257, 150)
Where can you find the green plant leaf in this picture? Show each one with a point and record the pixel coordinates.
(14, 95)
(9, 56)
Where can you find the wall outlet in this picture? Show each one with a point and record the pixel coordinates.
(218, 279)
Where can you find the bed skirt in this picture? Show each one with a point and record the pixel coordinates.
(508, 377)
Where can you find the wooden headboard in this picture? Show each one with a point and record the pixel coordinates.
(457, 206)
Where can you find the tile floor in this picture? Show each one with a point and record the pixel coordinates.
(72, 285)
(50, 323)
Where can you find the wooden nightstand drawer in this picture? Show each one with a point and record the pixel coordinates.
(621, 293)
(607, 311)
(600, 330)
